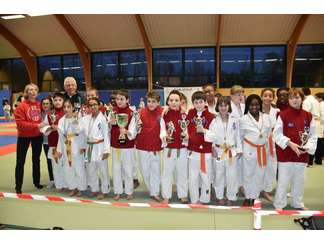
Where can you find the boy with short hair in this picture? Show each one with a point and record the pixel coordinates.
(122, 146)
(200, 151)
(147, 130)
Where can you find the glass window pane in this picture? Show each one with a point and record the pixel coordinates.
(309, 66)
(72, 66)
(20, 76)
(50, 73)
(235, 66)
(167, 67)
(269, 66)
(132, 63)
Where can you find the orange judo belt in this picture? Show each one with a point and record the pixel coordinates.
(261, 151)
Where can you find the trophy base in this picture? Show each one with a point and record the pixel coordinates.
(170, 141)
(122, 141)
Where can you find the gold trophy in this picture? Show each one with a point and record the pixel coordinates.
(198, 121)
(184, 127)
(122, 121)
(170, 131)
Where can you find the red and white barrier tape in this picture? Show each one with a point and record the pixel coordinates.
(257, 205)
(257, 224)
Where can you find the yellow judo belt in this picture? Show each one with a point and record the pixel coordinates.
(90, 148)
(68, 146)
(227, 152)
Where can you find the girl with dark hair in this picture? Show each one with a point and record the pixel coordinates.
(46, 107)
(267, 96)
(255, 128)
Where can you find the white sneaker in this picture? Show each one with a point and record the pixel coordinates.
(50, 185)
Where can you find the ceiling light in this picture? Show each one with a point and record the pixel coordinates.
(13, 16)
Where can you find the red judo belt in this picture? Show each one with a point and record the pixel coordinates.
(261, 151)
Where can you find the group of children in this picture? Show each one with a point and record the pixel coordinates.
(229, 147)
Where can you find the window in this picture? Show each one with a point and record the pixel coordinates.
(309, 66)
(133, 69)
(254, 66)
(167, 67)
(20, 77)
(50, 74)
(199, 66)
(72, 67)
(105, 70)
(235, 66)
(123, 69)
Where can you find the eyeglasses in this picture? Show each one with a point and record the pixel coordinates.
(93, 105)
(45, 103)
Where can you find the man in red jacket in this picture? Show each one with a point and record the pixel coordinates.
(294, 133)
(29, 121)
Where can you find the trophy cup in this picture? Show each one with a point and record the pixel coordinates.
(53, 117)
(170, 131)
(77, 107)
(198, 121)
(304, 136)
(184, 127)
(138, 121)
(122, 121)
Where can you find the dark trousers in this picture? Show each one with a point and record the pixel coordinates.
(49, 163)
(22, 148)
(319, 153)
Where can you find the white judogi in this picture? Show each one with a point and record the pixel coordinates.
(175, 167)
(96, 132)
(291, 173)
(57, 164)
(238, 112)
(257, 133)
(149, 163)
(312, 105)
(271, 168)
(226, 138)
(195, 174)
(75, 174)
(135, 155)
(212, 109)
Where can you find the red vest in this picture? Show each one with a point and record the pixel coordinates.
(53, 136)
(196, 141)
(294, 121)
(149, 137)
(115, 129)
(174, 116)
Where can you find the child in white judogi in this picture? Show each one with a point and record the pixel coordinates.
(238, 107)
(95, 127)
(254, 129)
(225, 135)
(71, 147)
(267, 96)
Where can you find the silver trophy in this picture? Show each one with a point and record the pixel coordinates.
(199, 121)
(53, 117)
(138, 121)
(304, 136)
(184, 127)
(170, 132)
